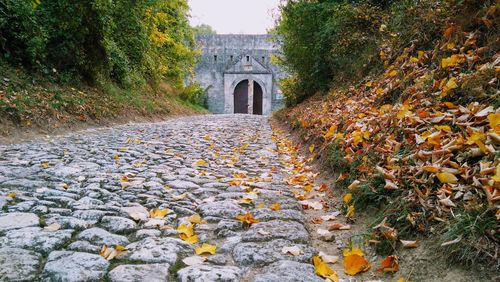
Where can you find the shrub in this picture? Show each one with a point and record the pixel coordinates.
(194, 94)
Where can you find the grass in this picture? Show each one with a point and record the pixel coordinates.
(479, 242)
(31, 98)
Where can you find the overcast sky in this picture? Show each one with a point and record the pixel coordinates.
(234, 16)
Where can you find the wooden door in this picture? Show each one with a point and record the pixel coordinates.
(241, 98)
(257, 99)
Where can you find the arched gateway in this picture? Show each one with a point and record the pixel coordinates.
(238, 73)
(244, 101)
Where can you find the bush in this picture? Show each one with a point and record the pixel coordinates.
(325, 42)
(195, 94)
(126, 41)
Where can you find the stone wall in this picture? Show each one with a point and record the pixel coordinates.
(227, 60)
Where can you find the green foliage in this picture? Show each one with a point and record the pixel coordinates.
(328, 42)
(194, 94)
(476, 230)
(336, 158)
(203, 29)
(129, 42)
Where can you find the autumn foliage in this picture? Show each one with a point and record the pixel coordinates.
(420, 139)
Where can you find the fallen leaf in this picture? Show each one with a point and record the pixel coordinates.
(111, 253)
(451, 242)
(350, 211)
(347, 198)
(327, 258)
(179, 197)
(354, 185)
(354, 261)
(311, 148)
(323, 270)
(339, 226)
(200, 163)
(294, 251)
(329, 217)
(389, 264)
(12, 195)
(275, 206)
(247, 218)
(446, 177)
(185, 229)
(196, 219)
(158, 213)
(52, 227)
(408, 244)
(245, 201)
(45, 164)
(205, 249)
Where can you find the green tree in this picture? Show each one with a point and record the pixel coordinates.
(203, 29)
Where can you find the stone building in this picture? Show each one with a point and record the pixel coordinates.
(237, 72)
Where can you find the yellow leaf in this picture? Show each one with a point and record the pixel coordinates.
(450, 85)
(158, 213)
(186, 230)
(401, 279)
(354, 250)
(446, 177)
(350, 211)
(420, 55)
(393, 73)
(355, 262)
(347, 198)
(275, 206)
(247, 218)
(445, 128)
(44, 164)
(120, 248)
(190, 240)
(200, 163)
(357, 138)
(245, 201)
(404, 112)
(385, 108)
(12, 195)
(431, 169)
(452, 61)
(311, 148)
(206, 249)
(474, 137)
(196, 219)
(308, 188)
(322, 269)
(496, 177)
(330, 132)
(494, 120)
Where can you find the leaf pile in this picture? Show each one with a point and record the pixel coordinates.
(428, 127)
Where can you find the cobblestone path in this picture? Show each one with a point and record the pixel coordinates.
(131, 187)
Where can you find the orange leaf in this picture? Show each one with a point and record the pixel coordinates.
(355, 262)
(389, 264)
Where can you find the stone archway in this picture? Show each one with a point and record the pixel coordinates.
(241, 98)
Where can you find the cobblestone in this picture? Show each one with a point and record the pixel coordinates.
(99, 187)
